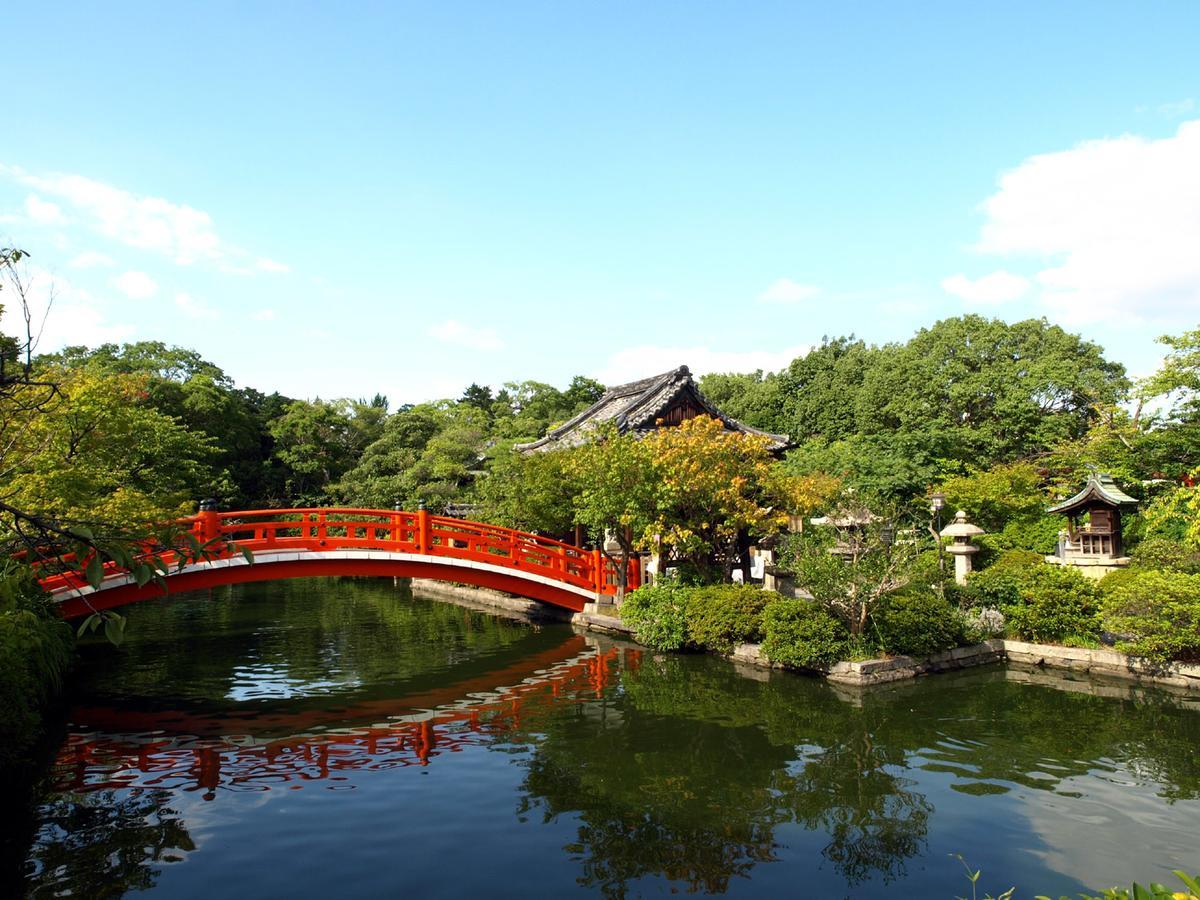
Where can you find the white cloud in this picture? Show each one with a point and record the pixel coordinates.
(193, 308)
(136, 285)
(62, 314)
(90, 259)
(179, 231)
(641, 362)
(1177, 108)
(988, 290)
(264, 315)
(454, 332)
(1115, 223)
(43, 212)
(786, 291)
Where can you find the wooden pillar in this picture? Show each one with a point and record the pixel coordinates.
(422, 535)
(598, 571)
(208, 522)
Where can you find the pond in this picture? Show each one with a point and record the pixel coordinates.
(346, 738)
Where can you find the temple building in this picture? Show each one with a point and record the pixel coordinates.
(1092, 538)
(642, 406)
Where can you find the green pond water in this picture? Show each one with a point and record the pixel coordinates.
(343, 738)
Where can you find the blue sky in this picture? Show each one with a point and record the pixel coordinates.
(405, 198)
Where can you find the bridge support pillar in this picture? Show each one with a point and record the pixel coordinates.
(422, 534)
(208, 523)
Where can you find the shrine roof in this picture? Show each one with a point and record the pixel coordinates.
(1100, 488)
(637, 406)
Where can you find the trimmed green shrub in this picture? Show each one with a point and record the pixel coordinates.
(658, 614)
(1056, 605)
(1000, 584)
(1115, 579)
(918, 623)
(721, 616)
(801, 633)
(1165, 553)
(1038, 534)
(1160, 612)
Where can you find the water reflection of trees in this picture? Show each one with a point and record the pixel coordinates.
(106, 843)
(675, 768)
(355, 638)
(699, 801)
(692, 769)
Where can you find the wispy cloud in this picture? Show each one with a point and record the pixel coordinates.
(1174, 109)
(62, 313)
(454, 332)
(43, 212)
(192, 308)
(181, 232)
(90, 259)
(989, 290)
(136, 285)
(264, 315)
(784, 291)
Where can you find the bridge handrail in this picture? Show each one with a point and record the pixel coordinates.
(420, 532)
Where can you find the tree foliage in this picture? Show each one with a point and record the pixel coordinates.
(710, 485)
(100, 452)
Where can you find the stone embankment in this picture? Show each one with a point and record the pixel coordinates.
(1027, 657)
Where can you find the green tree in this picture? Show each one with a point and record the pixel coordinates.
(850, 570)
(318, 441)
(617, 484)
(182, 384)
(990, 391)
(478, 396)
(532, 492)
(712, 488)
(100, 452)
(819, 391)
(427, 452)
(754, 398)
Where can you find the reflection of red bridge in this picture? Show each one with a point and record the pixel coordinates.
(201, 754)
(296, 543)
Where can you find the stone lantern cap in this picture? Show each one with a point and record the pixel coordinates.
(960, 529)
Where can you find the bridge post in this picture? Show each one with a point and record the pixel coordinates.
(208, 522)
(598, 571)
(423, 541)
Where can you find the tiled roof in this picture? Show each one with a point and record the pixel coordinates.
(637, 406)
(1100, 486)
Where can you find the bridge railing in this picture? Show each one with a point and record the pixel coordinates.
(323, 529)
(417, 532)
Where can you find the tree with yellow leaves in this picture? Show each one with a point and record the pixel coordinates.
(715, 489)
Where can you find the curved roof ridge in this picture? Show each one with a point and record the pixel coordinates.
(1100, 486)
(637, 405)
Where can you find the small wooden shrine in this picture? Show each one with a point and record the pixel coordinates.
(1092, 538)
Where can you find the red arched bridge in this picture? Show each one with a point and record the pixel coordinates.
(299, 543)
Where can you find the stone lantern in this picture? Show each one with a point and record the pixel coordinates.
(961, 549)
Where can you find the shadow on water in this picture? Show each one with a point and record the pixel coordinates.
(584, 763)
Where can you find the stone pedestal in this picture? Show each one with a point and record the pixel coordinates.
(962, 560)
